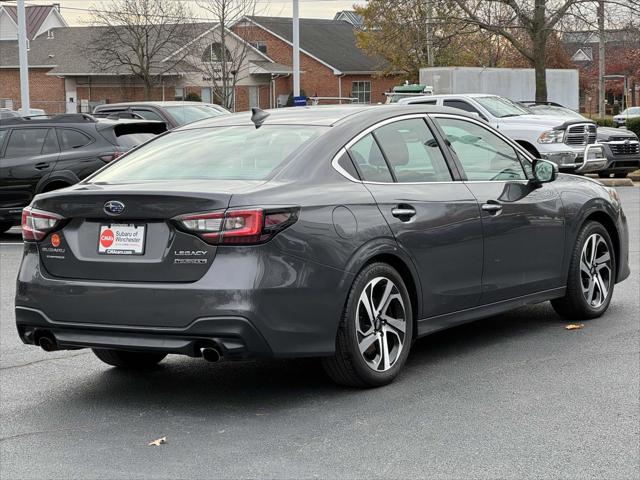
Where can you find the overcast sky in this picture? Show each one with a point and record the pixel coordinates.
(308, 8)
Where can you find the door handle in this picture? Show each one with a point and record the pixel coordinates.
(403, 212)
(492, 207)
(42, 165)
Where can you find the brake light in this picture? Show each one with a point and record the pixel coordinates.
(238, 227)
(36, 224)
(110, 157)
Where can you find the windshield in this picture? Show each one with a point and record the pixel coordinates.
(220, 153)
(631, 111)
(191, 113)
(501, 107)
(554, 111)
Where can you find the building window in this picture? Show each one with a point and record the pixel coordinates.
(214, 53)
(261, 46)
(361, 91)
(179, 95)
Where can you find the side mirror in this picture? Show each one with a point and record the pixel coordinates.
(544, 171)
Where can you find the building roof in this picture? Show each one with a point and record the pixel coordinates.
(36, 15)
(65, 51)
(350, 16)
(333, 42)
(264, 66)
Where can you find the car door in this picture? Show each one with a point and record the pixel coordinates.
(433, 217)
(29, 156)
(523, 222)
(79, 153)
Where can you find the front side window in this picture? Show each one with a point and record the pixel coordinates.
(482, 154)
(25, 142)
(361, 91)
(70, 139)
(220, 153)
(412, 151)
(370, 161)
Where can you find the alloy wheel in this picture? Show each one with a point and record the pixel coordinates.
(381, 324)
(595, 270)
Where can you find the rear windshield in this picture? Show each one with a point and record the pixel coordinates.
(234, 152)
(127, 142)
(191, 113)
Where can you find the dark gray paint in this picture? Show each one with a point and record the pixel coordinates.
(293, 288)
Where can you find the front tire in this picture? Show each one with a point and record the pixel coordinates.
(375, 332)
(592, 274)
(129, 360)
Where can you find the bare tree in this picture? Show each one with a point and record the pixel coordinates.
(527, 24)
(140, 38)
(220, 55)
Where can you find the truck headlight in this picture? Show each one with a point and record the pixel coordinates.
(551, 136)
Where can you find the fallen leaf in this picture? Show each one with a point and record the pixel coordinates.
(158, 442)
(574, 326)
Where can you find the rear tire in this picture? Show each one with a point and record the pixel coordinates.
(592, 274)
(130, 360)
(621, 175)
(604, 174)
(375, 332)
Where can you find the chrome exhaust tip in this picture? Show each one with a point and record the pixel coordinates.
(210, 354)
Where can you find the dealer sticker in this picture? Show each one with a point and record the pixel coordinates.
(121, 239)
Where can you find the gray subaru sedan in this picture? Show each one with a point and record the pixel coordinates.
(341, 232)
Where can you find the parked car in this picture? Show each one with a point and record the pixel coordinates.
(43, 154)
(6, 113)
(173, 114)
(559, 140)
(621, 146)
(342, 232)
(620, 120)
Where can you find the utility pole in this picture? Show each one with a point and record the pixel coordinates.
(601, 53)
(22, 54)
(296, 49)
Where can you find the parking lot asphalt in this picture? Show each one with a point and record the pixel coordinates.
(513, 396)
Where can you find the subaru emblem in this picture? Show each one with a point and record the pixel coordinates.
(113, 207)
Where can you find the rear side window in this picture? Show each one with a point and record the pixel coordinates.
(412, 152)
(460, 105)
(217, 153)
(148, 115)
(70, 139)
(24, 142)
(370, 161)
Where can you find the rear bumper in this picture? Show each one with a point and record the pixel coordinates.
(264, 304)
(234, 337)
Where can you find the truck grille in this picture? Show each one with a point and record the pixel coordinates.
(580, 134)
(625, 148)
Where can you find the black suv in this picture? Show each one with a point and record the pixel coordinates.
(40, 154)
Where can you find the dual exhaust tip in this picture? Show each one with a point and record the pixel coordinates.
(210, 354)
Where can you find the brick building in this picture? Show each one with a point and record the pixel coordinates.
(63, 79)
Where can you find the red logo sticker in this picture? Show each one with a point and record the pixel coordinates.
(106, 238)
(55, 240)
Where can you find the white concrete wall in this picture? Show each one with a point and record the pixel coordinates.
(514, 83)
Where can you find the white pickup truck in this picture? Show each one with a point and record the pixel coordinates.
(560, 140)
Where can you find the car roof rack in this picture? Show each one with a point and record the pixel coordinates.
(62, 118)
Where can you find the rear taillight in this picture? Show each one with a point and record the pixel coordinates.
(238, 227)
(109, 157)
(36, 224)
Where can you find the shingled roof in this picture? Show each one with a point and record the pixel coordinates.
(330, 41)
